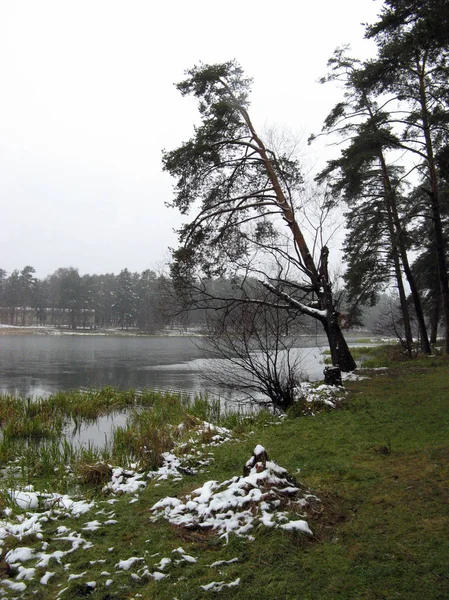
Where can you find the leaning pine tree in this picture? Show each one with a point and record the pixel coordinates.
(244, 197)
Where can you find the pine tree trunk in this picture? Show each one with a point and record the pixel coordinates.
(399, 281)
(340, 353)
(398, 241)
(434, 318)
(425, 344)
(435, 207)
(319, 278)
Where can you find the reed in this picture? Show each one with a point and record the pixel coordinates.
(32, 431)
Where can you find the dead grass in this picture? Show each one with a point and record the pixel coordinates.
(94, 474)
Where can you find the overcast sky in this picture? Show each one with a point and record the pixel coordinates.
(87, 103)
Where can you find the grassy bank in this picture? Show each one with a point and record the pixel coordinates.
(379, 465)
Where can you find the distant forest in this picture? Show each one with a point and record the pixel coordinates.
(67, 299)
(145, 301)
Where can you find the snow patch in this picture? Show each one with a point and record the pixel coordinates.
(240, 504)
(125, 565)
(218, 586)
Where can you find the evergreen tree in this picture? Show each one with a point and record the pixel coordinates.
(412, 67)
(249, 206)
(125, 301)
(13, 295)
(377, 239)
(3, 284)
(149, 313)
(27, 285)
(72, 294)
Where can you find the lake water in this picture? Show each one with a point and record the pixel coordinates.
(40, 365)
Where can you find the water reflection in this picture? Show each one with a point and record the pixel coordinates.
(96, 433)
(42, 365)
(33, 366)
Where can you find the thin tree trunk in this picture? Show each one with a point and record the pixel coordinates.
(397, 237)
(435, 206)
(434, 318)
(425, 343)
(400, 237)
(340, 353)
(400, 283)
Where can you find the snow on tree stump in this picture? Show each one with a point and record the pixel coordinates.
(258, 459)
(332, 376)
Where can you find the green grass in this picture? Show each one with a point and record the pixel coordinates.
(372, 357)
(380, 467)
(31, 432)
(386, 355)
(91, 404)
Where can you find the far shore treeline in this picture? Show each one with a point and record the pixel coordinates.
(67, 299)
(144, 301)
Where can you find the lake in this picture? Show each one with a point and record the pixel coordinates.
(40, 365)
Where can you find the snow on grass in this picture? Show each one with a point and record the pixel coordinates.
(125, 565)
(163, 563)
(240, 504)
(353, 376)
(24, 573)
(42, 509)
(220, 563)
(76, 576)
(299, 525)
(188, 558)
(46, 507)
(157, 576)
(18, 555)
(266, 496)
(12, 585)
(218, 586)
(92, 526)
(24, 499)
(28, 499)
(124, 481)
(45, 578)
(130, 481)
(321, 396)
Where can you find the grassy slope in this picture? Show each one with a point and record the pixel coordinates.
(381, 469)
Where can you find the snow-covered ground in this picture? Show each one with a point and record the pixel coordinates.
(266, 496)
(32, 512)
(240, 505)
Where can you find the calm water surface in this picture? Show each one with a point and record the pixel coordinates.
(40, 365)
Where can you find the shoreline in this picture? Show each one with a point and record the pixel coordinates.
(353, 336)
(50, 331)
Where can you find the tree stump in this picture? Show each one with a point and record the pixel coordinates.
(258, 460)
(332, 376)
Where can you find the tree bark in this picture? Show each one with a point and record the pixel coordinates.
(398, 244)
(434, 318)
(435, 205)
(340, 353)
(389, 199)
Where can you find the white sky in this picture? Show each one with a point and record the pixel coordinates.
(87, 103)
